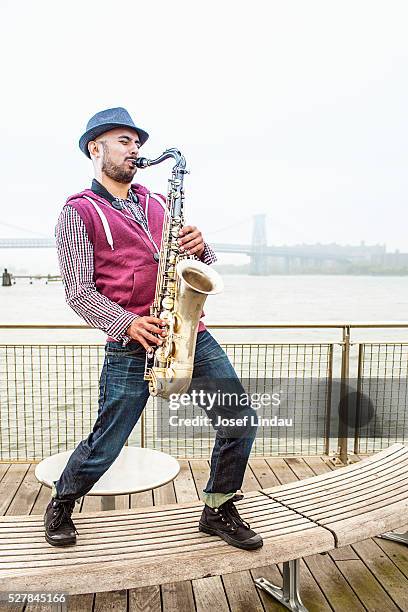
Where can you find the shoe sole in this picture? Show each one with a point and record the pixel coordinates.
(246, 545)
(54, 543)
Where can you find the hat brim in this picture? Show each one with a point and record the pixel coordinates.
(101, 129)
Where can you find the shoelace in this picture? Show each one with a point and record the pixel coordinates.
(229, 511)
(61, 511)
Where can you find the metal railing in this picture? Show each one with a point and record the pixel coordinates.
(348, 396)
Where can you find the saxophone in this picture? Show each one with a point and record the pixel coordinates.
(182, 286)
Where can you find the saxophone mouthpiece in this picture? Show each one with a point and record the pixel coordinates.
(141, 162)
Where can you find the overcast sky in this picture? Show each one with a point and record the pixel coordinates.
(294, 109)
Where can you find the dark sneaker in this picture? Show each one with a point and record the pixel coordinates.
(226, 523)
(59, 527)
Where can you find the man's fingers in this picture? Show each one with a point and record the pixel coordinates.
(154, 329)
(191, 243)
(187, 229)
(155, 321)
(189, 236)
(151, 338)
(143, 342)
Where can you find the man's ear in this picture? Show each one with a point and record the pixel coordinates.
(94, 148)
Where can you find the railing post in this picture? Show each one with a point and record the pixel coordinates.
(343, 417)
(357, 425)
(142, 430)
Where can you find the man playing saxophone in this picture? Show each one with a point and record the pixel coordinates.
(108, 242)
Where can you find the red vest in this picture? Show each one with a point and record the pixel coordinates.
(124, 267)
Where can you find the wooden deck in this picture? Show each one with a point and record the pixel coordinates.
(371, 575)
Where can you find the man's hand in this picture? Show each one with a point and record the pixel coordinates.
(191, 240)
(143, 328)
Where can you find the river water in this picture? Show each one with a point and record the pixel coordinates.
(48, 396)
(254, 299)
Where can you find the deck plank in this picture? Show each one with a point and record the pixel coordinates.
(184, 484)
(387, 574)
(145, 599)
(178, 597)
(281, 470)
(366, 586)
(398, 553)
(81, 603)
(340, 595)
(11, 483)
(26, 495)
(3, 469)
(201, 470)
(209, 594)
(242, 593)
(116, 601)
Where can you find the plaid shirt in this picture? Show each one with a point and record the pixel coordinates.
(76, 260)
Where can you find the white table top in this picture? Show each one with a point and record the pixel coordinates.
(135, 470)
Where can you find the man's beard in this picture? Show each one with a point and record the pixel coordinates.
(120, 174)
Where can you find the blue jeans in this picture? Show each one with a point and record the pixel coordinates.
(123, 394)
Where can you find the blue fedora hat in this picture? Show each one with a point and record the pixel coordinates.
(108, 120)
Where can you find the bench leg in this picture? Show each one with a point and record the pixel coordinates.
(108, 502)
(402, 538)
(288, 595)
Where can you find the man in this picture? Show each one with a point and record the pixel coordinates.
(108, 241)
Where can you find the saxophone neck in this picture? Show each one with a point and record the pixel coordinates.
(179, 166)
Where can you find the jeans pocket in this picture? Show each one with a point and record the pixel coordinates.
(132, 349)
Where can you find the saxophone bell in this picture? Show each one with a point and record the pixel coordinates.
(182, 287)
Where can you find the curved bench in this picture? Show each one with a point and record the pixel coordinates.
(123, 549)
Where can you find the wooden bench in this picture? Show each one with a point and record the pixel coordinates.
(122, 549)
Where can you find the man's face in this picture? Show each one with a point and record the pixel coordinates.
(120, 146)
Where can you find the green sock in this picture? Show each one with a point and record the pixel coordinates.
(214, 500)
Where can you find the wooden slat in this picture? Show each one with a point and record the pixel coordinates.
(319, 466)
(365, 586)
(81, 603)
(336, 589)
(387, 574)
(134, 545)
(209, 594)
(299, 467)
(263, 473)
(26, 494)
(369, 524)
(358, 472)
(42, 500)
(281, 470)
(201, 472)
(3, 469)
(178, 597)
(114, 601)
(147, 568)
(10, 484)
(145, 599)
(184, 486)
(242, 593)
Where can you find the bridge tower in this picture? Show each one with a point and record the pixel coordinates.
(259, 261)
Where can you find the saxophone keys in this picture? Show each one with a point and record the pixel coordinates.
(167, 303)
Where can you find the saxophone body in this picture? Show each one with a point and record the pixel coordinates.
(182, 286)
